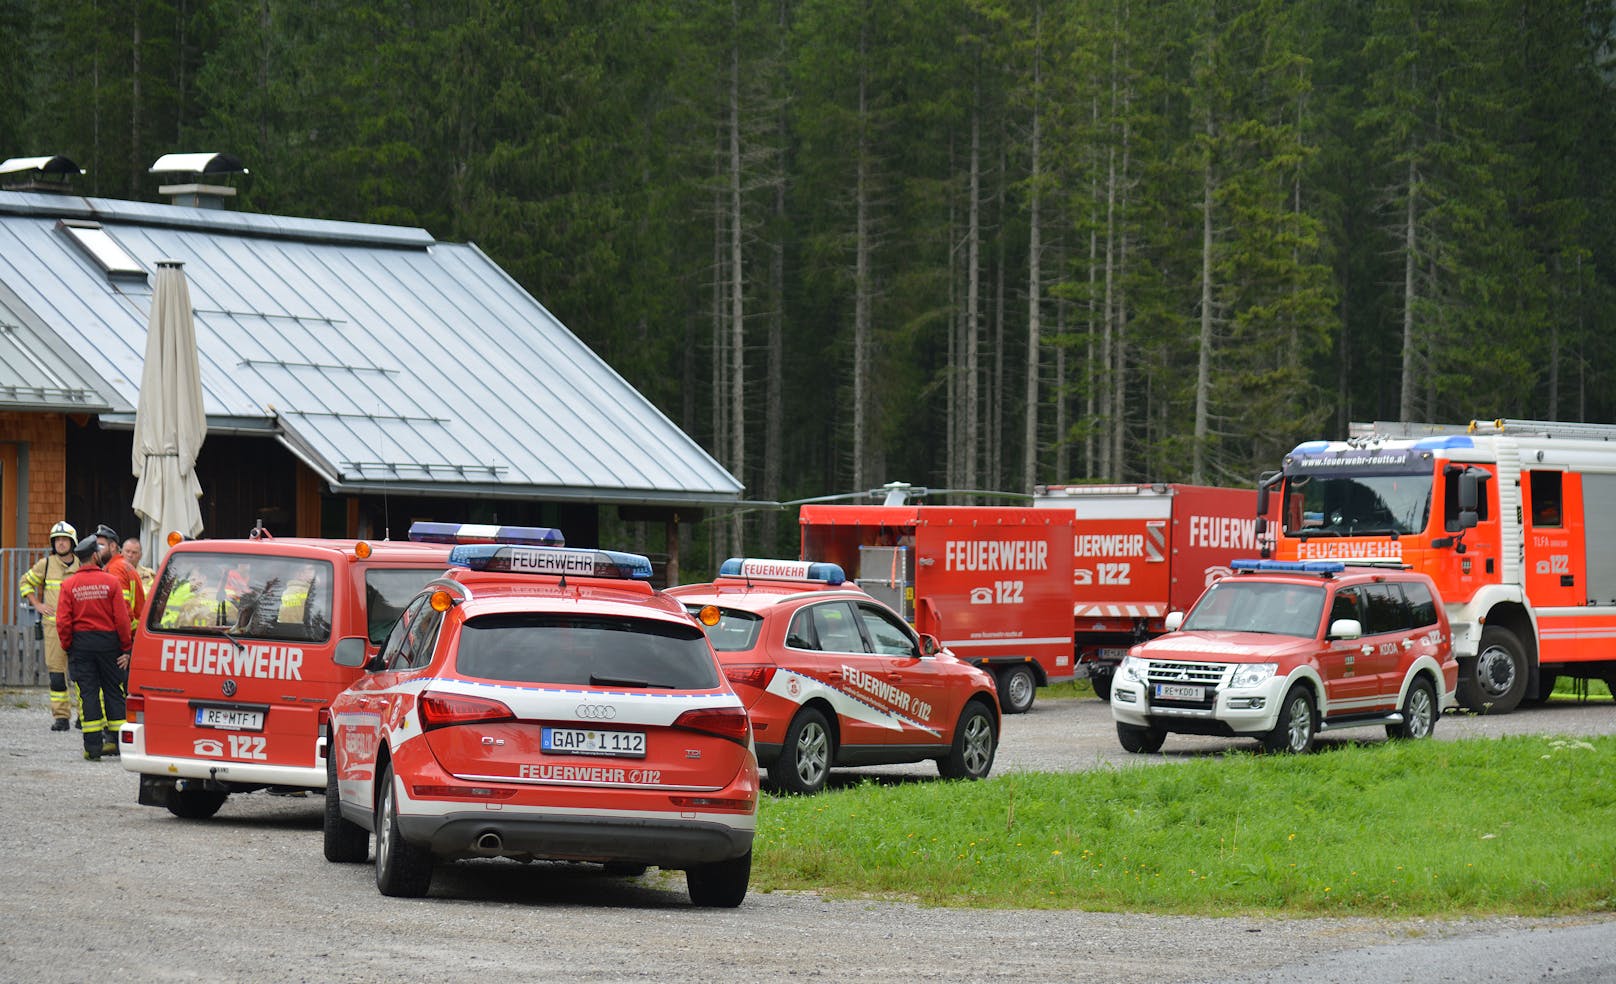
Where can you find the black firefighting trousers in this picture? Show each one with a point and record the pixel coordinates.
(99, 683)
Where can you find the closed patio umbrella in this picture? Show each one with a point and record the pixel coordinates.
(169, 422)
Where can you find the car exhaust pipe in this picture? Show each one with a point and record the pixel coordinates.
(490, 842)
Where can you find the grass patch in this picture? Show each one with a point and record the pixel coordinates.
(1514, 825)
(1070, 690)
(1569, 689)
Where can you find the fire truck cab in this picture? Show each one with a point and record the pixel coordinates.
(1503, 515)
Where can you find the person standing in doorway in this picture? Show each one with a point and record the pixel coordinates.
(40, 588)
(93, 622)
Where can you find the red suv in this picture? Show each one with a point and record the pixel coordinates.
(1281, 651)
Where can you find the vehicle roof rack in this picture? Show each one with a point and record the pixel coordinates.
(1543, 428)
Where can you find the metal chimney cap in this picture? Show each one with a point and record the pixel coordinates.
(198, 164)
(56, 164)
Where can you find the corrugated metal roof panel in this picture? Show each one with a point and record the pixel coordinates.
(387, 359)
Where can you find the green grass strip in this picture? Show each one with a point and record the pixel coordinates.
(1520, 825)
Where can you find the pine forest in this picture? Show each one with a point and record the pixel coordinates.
(973, 244)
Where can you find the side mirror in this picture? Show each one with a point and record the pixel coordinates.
(1346, 628)
(1173, 621)
(929, 646)
(350, 652)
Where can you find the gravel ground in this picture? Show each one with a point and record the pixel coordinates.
(99, 889)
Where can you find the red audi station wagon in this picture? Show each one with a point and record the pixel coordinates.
(544, 703)
(1282, 651)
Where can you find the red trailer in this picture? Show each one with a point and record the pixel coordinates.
(1045, 593)
(1141, 551)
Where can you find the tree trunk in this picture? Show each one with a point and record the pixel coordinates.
(972, 411)
(737, 312)
(861, 277)
(1405, 406)
(1029, 469)
(135, 168)
(1203, 360)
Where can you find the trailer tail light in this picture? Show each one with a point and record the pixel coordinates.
(134, 708)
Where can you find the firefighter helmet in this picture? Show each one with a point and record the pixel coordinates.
(64, 528)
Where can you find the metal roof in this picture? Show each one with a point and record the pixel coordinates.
(382, 358)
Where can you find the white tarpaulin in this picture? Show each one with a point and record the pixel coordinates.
(169, 421)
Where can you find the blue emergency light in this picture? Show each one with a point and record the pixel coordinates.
(1290, 566)
(783, 570)
(530, 536)
(509, 558)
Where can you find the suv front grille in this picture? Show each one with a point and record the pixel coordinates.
(1207, 674)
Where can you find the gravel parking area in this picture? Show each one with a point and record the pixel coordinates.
(98, 889)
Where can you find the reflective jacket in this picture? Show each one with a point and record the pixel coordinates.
(92, 601)
(45, 577)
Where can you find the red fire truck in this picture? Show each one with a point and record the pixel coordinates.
(1510, 518)
(1045, 593)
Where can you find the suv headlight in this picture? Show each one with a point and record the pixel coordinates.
(1252, 675)
(1135, 669)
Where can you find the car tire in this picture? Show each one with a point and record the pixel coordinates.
(194, 804)
(1495, 681)
(403, 870)
(975, 743)
(719, 884)
(1420, 712)
(345, 841)
(1139, 740)
(1018, 687)
(805, 755)
(1297, 726)
(1102, 685)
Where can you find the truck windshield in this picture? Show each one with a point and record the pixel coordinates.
(248, 596)
(1357, 505)
(1277, 608)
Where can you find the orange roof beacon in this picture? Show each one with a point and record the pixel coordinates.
(237, 656)
(832, 677)
(1510, 518)
(539, 702)
(1281, 651)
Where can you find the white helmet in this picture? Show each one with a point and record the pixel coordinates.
(64, 528)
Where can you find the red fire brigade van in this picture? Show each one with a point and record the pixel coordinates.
(237, 657)
(1046, 593)
(1510, 518)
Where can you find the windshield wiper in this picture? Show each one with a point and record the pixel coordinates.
(1315, 531)
(228, 631)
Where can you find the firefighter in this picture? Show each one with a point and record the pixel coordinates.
(134, 592)
(93, 622)
(40, 588)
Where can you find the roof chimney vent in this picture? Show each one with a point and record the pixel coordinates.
(47, 174)
(195, 194)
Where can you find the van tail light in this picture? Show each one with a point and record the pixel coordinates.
(726, 722)
(755, 675)
(439, 710)
(134, 708)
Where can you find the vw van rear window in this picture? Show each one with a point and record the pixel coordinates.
(244, 596)
(387, 591)
(586, 651)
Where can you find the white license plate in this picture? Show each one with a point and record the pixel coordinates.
(233, 718)
(1178, 691)
(581, 741)
(1113, 655)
